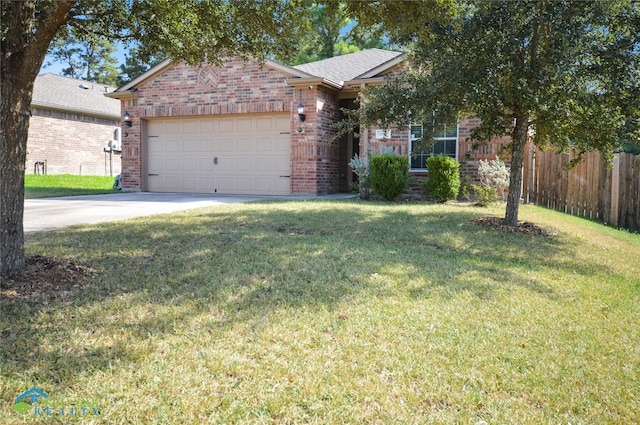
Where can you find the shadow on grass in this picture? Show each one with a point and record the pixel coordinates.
(247, 262)
(48, 192)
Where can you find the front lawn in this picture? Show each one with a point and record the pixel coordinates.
(333, 312)
(44, 186)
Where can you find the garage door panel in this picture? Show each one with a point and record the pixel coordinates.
(225, 125)
(225, 184)
(244, 165)
(171, 182)
(206, 146)
(190, 146)
(206, 164)
(264, 145)
(281, 145)
(225, 165)
(190, 164)
(172, 146)
(233, 155)
(244, 145)
(264, 185)
(245, 125)
(225, 145)
(281, 166)
(191, 127)
(172, 164)
(264, 124)
(190, 184)
(243, 184)
(263, 164)
(207, 184)
(281, 185)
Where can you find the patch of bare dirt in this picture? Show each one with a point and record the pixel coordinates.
(47, 276)
(525, 228)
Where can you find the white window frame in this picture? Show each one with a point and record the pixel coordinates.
(437, 139)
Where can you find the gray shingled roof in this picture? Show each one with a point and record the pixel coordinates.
(349, 67)
(52, 91)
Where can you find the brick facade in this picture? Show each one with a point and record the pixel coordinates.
(182, 90)
(318, 163)
(71, 143)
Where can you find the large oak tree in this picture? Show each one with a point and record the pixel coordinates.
(191, 30)
(564, 73)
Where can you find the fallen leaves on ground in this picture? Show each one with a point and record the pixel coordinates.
(51, 277)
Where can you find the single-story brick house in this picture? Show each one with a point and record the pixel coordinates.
(72, 123)
(236, 128)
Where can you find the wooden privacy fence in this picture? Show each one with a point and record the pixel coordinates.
(595, 188)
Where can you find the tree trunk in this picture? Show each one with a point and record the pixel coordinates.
(15, 125)
(518, 143)
(23, 49)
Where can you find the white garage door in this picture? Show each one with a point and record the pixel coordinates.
(228, 155)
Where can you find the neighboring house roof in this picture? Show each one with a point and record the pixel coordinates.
(363, 64)
(60, 93)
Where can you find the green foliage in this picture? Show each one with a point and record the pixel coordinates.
(86, 56)
(485, 195)
(564, 72)
(194, 31)
(389, 175)
(464, 193)
(443, 182)
(328, 30)
(363, 185)
(44, 186)
(134, 65)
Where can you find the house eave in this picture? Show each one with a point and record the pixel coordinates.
(122, 95)
(78, 111)
(384, 67)
(298, 83)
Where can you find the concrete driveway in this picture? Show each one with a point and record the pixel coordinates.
(53, 213)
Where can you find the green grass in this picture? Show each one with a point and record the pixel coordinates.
(44, 186)
(334, 312)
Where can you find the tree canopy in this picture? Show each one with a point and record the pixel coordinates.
(329, 29)
(85, 57)
(189, 30)
(565, 73)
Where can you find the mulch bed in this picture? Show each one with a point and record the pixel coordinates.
(525, 228)
(51, 277)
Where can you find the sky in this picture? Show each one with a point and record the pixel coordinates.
(56, 67)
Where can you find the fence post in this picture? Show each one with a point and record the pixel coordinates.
(615, 190)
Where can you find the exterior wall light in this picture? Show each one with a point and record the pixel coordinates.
(301, 114)
(127, 119)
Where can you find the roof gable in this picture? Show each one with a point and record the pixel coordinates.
(167, 63)
(52, 91)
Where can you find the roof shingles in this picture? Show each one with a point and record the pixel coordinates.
(349, 67)
(52, 91)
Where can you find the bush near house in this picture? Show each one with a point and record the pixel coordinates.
(389, 175)
(443, 182)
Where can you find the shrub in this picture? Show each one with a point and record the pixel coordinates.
(363, 185)
(485, 195)
(494, 174)
(389, 175)
(464, 193)
(443, 182)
